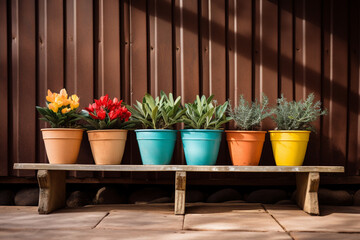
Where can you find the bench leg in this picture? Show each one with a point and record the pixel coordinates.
(52, 190)
(307, 185)
(180, 189)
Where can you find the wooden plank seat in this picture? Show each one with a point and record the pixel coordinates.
(51, 179)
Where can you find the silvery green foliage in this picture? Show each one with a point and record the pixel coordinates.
(205, 114)
(159, 113)
(297, 115)
(248, 116)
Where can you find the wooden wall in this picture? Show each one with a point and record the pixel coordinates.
(188, 47)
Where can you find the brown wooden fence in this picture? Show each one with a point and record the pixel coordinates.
(188, 47)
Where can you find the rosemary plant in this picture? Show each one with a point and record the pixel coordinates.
(292, 115)
(248, 116)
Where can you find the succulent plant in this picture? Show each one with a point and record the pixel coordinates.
(248, 116)
(160, 113)
(292, 115)
(204, 113)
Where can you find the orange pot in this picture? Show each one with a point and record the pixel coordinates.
(245, 147)
(107, 146)
(62, 144)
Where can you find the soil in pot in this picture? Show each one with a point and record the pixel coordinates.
(245, 147)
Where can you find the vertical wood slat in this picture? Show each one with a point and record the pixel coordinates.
(239, 59)
(50, 59)
(353, 97)
(335, 83)
(108, 62)
(307, 71)
(125, 76)
(80, 63)
(160, 31)
(266, 62)
(4, 158)
(286, 49)
(138, 68)
(23, 74)
(240, 45)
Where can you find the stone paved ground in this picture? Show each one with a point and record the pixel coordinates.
(202, 221)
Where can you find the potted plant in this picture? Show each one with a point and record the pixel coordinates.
(293, 120)
(63, 139)
(107, 121)
(202, 134)
(155, 119)
(246, 144)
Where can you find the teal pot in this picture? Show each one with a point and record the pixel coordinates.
(156, 145)
(201, 146)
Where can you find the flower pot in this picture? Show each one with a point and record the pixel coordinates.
(201, 146)
(245, 147)
(62, 145)
(156, 145)
(289, 147)
(107, 145)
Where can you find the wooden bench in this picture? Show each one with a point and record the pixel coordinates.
(51, 179)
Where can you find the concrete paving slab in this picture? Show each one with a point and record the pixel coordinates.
(224, 208)
(324, 236)
(332, 219)
(160, 208)
(141, 220)
(207, 218)
(28, 218)
(101, 234)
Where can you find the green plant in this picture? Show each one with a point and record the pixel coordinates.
(248, 116)
(159, 113)
(203, 114)
(292, 115)
(61, 110)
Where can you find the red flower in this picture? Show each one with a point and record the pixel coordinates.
(91, 107)
(113, 115)
(108, 110)
(101, 114)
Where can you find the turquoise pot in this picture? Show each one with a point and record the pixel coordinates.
(156, 145)
(201, 146)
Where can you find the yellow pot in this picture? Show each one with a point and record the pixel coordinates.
(289, 146)
(62, 144)
(107, 146)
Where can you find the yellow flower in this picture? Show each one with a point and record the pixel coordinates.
(54, 107)
(74, 105)
(59, 101)
(51, 96)
(63, 93)
(74, 101)
(75, 98)
(65, 110)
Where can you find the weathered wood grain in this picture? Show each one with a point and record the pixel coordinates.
(52, 190)
(307, 185)
(180, 191)
(173, 168)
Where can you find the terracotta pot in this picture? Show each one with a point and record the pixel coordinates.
(62, 144)
(107, 146)
(245, 147)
